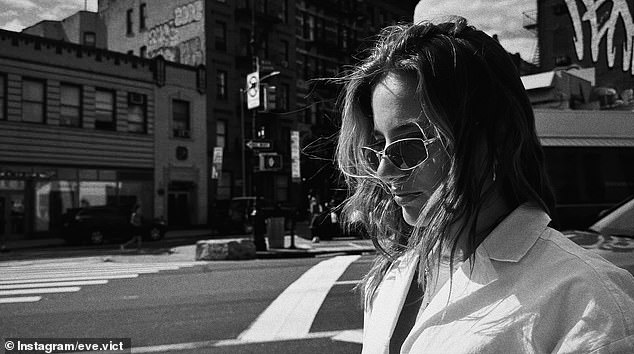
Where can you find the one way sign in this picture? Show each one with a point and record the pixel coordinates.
(259, 144)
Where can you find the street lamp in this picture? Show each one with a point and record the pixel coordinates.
(242, 127)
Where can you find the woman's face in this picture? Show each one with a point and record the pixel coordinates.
(395, 107)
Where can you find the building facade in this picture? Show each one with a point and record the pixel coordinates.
(80, 126)
(302, 40)
(585, 55)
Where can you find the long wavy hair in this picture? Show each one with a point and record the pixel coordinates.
(471, 92)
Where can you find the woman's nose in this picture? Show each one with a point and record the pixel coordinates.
(387, 171)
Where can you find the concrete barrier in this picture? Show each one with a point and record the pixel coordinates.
(229, 249)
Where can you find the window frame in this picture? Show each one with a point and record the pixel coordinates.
(143, 105)
(223, 135)
(142, 17)
(103, 126)
(3, 96)
(85, 34)
(43, 102)
(186, 134)
(129, 23)
(79, 106)
(220, 45)
(221, 85)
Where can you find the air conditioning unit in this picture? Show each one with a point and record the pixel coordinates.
(136, 98)
(181, 133)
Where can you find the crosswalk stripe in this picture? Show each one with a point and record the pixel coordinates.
(100, 269)
(63, 277)
(95, 277)
(291, 314)
(69, 289)
(96, 265)
(13, 300)
(53, 284)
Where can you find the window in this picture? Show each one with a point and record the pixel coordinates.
(90, 39)
(221, 85)
(104, 110)
(33, 107)
(136, 113)
(265, 46)
(285, 52)
(142, 17)
(282, 97)
(143, 52)
(284, 12)
(245, 37)
(3, 95)
(180, 119)
(220, 33)
(129, 22)
(70, 105)
(221, 133)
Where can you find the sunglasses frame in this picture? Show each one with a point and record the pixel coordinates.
(382, 153)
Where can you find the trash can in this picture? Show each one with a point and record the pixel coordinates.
(275, 231)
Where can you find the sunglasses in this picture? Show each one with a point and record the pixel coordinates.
(406, 154)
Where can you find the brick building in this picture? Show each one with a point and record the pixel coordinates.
(81, 125)
(303, 40)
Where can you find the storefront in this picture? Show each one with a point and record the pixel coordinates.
(33, 199)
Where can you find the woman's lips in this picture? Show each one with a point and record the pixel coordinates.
(403, 199)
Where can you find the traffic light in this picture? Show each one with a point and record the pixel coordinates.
(270, 161)
(270, 97)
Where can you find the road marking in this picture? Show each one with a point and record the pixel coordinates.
(13, 300)
(69, 289)
(55, 277)
(61, 277)
(347, 282)
(344, 336)
(350, 336)
(52, 284)
(43, 280)
(291, 314)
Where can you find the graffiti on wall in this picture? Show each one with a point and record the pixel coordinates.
(603, 22)
(178, 39)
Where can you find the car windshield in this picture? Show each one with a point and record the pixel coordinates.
(618, 222)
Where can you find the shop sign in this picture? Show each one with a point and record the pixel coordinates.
(26, 175)
(295, 163)
(216, 165)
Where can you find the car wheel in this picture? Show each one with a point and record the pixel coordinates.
(155, 233)
(96, 237)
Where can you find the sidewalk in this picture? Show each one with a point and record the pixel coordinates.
(177, 246)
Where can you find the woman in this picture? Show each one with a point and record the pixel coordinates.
(438, 146)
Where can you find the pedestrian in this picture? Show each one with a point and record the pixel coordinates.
(445, 170)
(314, 210)
(136, 222)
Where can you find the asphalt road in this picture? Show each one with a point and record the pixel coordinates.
(223, 307)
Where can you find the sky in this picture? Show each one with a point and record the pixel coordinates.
(501, 17)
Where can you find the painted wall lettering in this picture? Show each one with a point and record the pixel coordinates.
(602, 26)
(179, 38)
(192, 12)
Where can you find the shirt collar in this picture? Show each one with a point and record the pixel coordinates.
(516, 234)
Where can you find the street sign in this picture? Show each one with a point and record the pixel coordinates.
(253, 90)
(259, 144)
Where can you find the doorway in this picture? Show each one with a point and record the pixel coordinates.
(12, 216)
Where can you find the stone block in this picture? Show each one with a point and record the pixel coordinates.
(229, 249)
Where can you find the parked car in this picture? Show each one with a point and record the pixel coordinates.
(98, 224)
(614, 228)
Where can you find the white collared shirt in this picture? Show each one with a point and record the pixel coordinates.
(531, 291)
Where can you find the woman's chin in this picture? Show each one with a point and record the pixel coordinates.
(411, 213)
